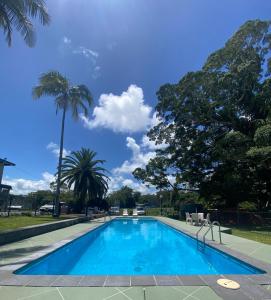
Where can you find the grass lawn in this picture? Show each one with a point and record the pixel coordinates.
(13, 222)
(255, 233)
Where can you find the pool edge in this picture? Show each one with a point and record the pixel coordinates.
(8, 277)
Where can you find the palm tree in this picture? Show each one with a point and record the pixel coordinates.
(67, 97)
(17, 14)
(84, 174)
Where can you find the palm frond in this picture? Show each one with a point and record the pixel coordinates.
(5, 23)
(51, 84)
(17, 14)
(81, 170)
(38, 8)
(78, 95)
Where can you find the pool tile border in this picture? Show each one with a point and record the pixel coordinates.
(250, 284)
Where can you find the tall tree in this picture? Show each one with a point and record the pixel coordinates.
(211, 120)
(18, 14)
(67, 97)
(82, 173)
(124, 197)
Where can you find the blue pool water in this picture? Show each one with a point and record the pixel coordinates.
(136, 247)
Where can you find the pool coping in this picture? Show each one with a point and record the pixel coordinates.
(249, 283)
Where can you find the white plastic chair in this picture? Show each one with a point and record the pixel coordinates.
(195, 219)
(200, 217)
(188, 218)
(135, 212)
(125, 212)
(207, 220)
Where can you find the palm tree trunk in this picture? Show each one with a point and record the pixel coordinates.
(56, 212)
(87, 204)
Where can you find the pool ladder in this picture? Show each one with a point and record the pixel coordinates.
(201, 245)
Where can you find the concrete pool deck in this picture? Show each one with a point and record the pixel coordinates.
(14, 255)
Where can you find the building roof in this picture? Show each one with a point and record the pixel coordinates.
(5, 186)
(6, 163)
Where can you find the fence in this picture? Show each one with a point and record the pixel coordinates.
(242, 218)
(225, 217)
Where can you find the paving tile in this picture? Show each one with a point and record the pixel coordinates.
(197, 292)
(50, 295)
(5, 274)
(228, 294)
(256, 292)
(191, 280)
(188, 290)
(211, 279)
(167, 280)
(134, 292)
(13, 252)
(42, 280)
(67, 281)
(118, 281)
(15, 293)
(86, 293)
(119, 296)
(164, 292)
(92, 281)
(19, 280)
(142, 280)
(263, 253)
(205, 292)
(242, 280)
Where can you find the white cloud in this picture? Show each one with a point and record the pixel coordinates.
(117, 182)
(66, 46)
(88, 53)
(66, 40)
(96, 72)
(155, 119)
(122, 176)
(54, 148)
(22, 186)
(147, 143)
(139, 159)
(124, 113)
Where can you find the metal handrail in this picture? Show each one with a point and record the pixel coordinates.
(197, 234)
(210, 228)
(211, 225)
(219, 230)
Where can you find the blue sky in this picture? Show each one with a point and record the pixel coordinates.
(123, 50)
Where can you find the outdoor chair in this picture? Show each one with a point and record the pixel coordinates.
(188, 218)
(135, 212)
(200, 218)
(195, 219)
(125, 212)
(207, 220)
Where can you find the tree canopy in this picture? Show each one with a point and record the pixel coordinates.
(124, 198)
(84, 174)
(217, 123)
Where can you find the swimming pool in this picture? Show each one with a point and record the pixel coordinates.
(136, 247)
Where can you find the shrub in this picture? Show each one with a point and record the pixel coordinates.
(246, 205)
